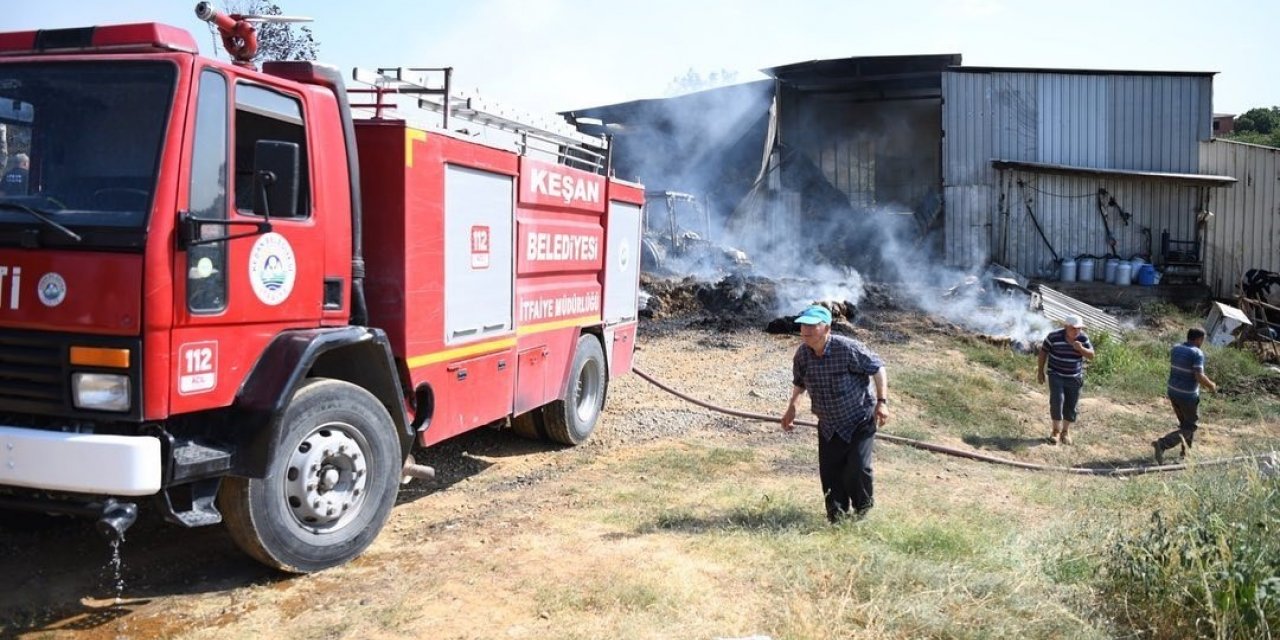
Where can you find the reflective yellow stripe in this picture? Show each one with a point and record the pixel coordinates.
(461, 352)
(558, 324)
(409, 136)
(497, 345)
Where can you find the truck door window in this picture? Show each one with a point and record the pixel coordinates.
(263, 114)
(207, 263)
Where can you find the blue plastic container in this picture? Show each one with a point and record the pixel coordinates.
(1146, 275)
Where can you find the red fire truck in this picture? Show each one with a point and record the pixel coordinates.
(251, 294)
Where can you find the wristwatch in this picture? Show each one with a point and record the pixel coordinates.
(884, 400)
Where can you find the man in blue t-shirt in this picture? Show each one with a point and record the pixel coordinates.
(1064, 352)
(1186, 374)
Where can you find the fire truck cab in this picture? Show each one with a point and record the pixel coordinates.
(249, 295)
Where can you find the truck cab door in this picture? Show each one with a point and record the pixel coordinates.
(262, 271)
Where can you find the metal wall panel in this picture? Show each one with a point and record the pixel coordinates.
(1066, 208)
(1244, 232)
(1151, 123)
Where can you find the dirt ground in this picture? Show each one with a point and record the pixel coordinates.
(475, 553)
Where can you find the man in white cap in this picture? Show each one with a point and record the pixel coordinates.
(837, 371)
(1064, 351)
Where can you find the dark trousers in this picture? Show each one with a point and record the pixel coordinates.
(845, 471)
(1064, 394)
(1188, 413)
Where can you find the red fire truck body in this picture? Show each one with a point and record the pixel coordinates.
(221, 289)
(487, 344)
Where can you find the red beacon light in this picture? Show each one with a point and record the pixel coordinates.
(116, 38)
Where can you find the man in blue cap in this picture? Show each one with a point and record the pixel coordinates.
(836, 371)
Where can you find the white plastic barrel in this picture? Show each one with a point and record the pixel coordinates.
(1109, 271)
(1067, 272)
(1084, 270)
(1124, 271)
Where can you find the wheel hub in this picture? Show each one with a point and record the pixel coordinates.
(587, 391)
(326, 478)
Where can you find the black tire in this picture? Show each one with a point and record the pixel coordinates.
(329, 489)
(571, 419)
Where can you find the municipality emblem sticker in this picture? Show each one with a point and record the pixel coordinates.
(272, 268)
(52, 289)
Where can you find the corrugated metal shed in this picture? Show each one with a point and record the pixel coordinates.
(1244, 232)
(1145, 122)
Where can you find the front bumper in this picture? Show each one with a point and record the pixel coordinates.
(80, 463)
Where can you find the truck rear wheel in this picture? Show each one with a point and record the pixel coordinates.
(571, 419)
(330, 487)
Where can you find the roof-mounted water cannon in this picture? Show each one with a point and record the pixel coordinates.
(239, 36)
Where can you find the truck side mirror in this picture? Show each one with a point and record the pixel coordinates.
(275, 178)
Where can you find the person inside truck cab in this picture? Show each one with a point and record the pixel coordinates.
(14, 182)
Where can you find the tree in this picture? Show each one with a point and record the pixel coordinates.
(693, 81)
(1260, 125)
(277, 40)
(1259, 119)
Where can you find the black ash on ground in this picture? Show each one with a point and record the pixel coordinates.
(740, 302)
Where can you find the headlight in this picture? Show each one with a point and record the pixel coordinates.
(100, 391)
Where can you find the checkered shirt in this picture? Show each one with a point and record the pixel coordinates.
(838, 383)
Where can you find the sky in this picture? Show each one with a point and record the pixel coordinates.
(557, 55)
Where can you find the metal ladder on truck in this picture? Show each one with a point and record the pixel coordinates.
(425, 97)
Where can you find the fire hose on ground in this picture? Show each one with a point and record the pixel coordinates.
(971, 455)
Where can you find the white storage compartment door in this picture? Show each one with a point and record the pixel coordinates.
(479, 216)
(622, 263)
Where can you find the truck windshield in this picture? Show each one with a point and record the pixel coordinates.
(80, 141)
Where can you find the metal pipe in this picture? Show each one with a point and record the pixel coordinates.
(116, 518)
(960, 453)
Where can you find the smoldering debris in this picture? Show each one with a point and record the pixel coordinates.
(843, 316)
(1020, 346)
(734, 302)
(994, 306)
(741, 302)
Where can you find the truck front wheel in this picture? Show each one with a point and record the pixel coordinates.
(329, 488)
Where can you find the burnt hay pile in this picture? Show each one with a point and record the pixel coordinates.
(739, 302)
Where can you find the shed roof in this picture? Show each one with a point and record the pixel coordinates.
(1086, 72)
(1196, 179)
(840, 73)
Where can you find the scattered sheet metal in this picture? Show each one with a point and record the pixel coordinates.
(1056, 305)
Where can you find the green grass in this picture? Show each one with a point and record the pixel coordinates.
(1008, 363)
(1205, 563)
(963, 402)
(693, 460)
(934, 541)
(629, 594)
(1134, 369)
